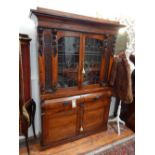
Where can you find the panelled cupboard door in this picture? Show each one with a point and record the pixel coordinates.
(59, 122)
(95, 112)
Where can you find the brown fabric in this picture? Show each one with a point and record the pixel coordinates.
(132, 58)
(120, 78)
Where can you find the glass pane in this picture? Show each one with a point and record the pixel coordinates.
(68, 61)
(92, 60)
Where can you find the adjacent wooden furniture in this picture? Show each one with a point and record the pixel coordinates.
(27, 106)
(75, 58)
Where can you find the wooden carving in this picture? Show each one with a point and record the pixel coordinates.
(54, 42)
(48, 50)
(108, 44)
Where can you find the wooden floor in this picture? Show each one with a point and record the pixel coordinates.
(82, 145)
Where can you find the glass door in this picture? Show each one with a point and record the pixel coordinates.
(68, 59)
(93, 52)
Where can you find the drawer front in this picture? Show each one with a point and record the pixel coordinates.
(60, 105)
(54, 108)
(96, 103)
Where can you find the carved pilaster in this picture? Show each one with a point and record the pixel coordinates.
(48, 49)
(54, 42)
(111, 43)
(40, 40)
(108, 45)
(47, 52)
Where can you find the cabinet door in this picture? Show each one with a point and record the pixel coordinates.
(58, 122)
(68, 59)
(93, 53)
(95, 113)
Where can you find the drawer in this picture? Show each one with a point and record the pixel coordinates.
(96, 95)
(60, 105)
(95, 101)
(96, 104)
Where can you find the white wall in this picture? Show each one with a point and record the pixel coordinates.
(90, 8)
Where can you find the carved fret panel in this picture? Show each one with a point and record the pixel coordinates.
(108, 44)
(47, 48)
(54, 42)
(111, 43)
(40, 39)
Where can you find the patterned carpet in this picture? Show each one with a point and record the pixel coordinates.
(127, 148)
(122, 147)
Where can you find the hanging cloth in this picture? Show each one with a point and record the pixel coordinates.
(120, 78)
